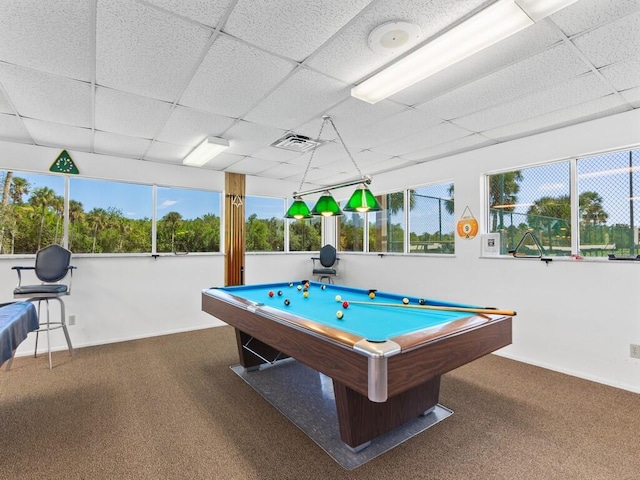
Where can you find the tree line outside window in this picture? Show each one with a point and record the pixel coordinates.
(605, 188)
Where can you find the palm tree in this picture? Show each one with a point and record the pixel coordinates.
(6, 188)
(41, 199)
(172, 219)
(592, 212)
(554, 213)
(503, 190)
(98, 219)
(76, 213)
(19, 187)
(58, 207)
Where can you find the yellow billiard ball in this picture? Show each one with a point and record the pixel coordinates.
(372, 295)
(405, 301)
(305, 294)
(339, 314)
(338, 298)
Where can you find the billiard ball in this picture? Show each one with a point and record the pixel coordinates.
(372, 295)
(421, 301)
(345, 304)
(291, 284)
(323, 287)
(287, 302)
(305, 293)
(271, 293)
(405, 300)
(279, 293)
(306, 284)
(339, 314)
(338, 298)
(299, 287)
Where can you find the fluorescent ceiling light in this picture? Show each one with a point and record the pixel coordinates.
(496, 22)
(205, 152)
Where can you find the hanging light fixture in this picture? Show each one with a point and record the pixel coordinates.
(361, 201)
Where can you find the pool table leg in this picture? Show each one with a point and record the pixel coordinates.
(362, 420)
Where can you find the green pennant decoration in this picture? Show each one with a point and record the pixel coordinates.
(64, 164)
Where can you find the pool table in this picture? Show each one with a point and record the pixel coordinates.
(385, 358)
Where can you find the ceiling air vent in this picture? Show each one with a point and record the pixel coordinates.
(296, 143)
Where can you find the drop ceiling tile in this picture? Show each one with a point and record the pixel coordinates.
(615, 42)
(421, 140)
(190, 127)
(601, 107)
(578, 90)
(458, 145)
(251, 166)
(201, 11)
(167, 152)
(284, 170)
(128, 114)
(515, 48)
(33, 34)
(227, 82)
(47, 97)
(120, 145)
(348, 57)
(223, 161)
(389, 164)
(12, 129)
(5, 105)
(622, 75)
(303, 95)
(143, 50)
(553, 66)
(246, 138)
(632, 96)
(277, 154)
(587, 14)
(302, 27)
(50, 134)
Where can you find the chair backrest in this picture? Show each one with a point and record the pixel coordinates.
(328, 255)
(52, 263)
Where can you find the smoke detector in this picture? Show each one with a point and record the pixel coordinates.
(393, 37)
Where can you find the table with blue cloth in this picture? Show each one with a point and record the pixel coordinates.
(16, 321)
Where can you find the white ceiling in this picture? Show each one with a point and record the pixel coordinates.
(151, 79)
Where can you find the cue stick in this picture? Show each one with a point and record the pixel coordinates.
(489, 311)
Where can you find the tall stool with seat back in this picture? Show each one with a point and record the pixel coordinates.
(51, 267)
(325, 268)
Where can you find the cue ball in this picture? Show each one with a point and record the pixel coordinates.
(338, 298)
(271, 293)
(372, 295)
(345, 304)
(299, 287)
(287, 302)
(279, 293)
(421, 301)
(405, 301)
(305, 294)
(323, 287)
(339, 314)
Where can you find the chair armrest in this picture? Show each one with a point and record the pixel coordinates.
(18, 270)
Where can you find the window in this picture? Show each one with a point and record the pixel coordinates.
(535, 200)
(187, 220)
(431, 219)
(31, 212)
(264, 224)
(608, 195)
(386, 227)
(305, 235)
(351, 231)
(109, 217)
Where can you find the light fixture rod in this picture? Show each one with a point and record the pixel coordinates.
(366, 180)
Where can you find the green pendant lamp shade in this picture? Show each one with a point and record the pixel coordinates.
(298, 209)
(326, 206)
(362, 201)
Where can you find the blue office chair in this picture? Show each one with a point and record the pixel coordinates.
(51, 267)
(324, 266)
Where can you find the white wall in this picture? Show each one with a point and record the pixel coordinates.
(577, 317)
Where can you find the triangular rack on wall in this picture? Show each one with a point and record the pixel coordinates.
(528, 247)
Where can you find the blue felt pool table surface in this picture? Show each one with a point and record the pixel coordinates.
(372, 321)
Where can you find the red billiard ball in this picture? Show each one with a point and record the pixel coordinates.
(271, 293)
(345, 304)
